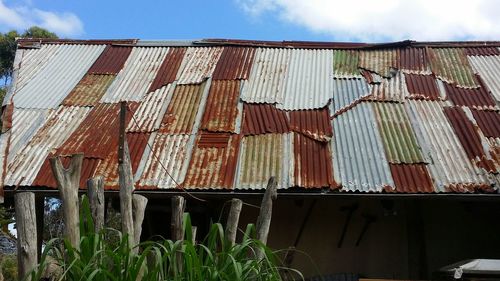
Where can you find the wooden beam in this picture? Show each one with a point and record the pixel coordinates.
(266, 212)
(233, 219)
(26, 233)
(177, 215)
(139, 202)
(68, 181)
(95, 191)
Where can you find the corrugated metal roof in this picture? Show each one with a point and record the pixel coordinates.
(198, 64)
(262, 119)
(213, 166)
(111, 60)
(382, 62)
(148, 116)
(266, 80)
(482, 51)
(392, 89)
(414, 60)
(348, 92)
(168, 69)
(488, 122)
(134, 80)
(46, 178)
(182, 109)
(488, 67)
(262, 157)
(58, 77)
(452, 66)
(312, 163)
(476, 97)
(314, 123)
(61, 123)
(223, 109)
(397, 134)
(422, 87)
(234, 63)
(411, 178)
(359, 160)
(89, 90)
(345, 64)
(449, 167)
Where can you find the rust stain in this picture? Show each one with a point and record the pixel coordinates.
(7, 115)
(413, 59)
(422, 87)
(312, 123)
(46, 178)
(476, 97)
(411, 178)
(89, 90)
(168, 69)
(181, 112)
(221, 109)
(482, 51)
(234, 63)
(263, 118)
(488, 122)
(111, 60)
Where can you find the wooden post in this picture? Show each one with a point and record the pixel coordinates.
(139, 202)
(265, 214)
(95, 190)
(68, 181)
(194, 229)
(126, 180)
(233, 219)
(26, 233)
(177, 214)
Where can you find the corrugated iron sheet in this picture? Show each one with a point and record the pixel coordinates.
(392, 89)
(348, 92)
(382, 62)
(135, 79)
(452, 66)
(46, 178)
(89, 90)
(450, 167)
(198, 64)
(111, 60)
(488, 122)
(482, 51)
(168, 69)
(213, 166)
(182, 110)
(265, 84)
(359, 160)
(263, 118)
(413, 60)
(222, 108)
(235, 63)
(148, 116)
(345, 64)
(315, 123)
(488, 68)
(422, 87)
(476, 97)
(60, 125)
(58, 77)
(411, 178)
(313, 163)
(397, 134)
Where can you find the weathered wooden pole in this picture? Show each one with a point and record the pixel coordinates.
(177, 215)
(68, 181)
(95, 191)
(139, 202)
(26, 233)
(194, 229)
(265, 214)
(233, 219)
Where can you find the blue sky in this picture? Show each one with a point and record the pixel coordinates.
(314, 20)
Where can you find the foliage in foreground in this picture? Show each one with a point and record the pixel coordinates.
(214, 259)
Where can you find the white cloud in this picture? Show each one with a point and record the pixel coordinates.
(379, 20)
(22, 17)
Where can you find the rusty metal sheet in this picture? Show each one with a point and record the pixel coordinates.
(348, 93)
(482, 51)
(312, 163)
(182, 109)
(413, 60)
(89, 90)
(148, 116)
(262, 157)
(222, 108)
(382, 62)
(488, 68)
(262, 119)
(313, 123)
(234, 63)
(198, 64)
(488, 122)
(345, 64)
(45, 177)
(411, 178)
(477, 97)
(168, 69)
(7, 117)
(111, 60)
(213, 167)
(422, 87)
(397, 134)
(389, 89)
(451, 65)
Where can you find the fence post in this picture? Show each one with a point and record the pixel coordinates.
(233, 219)
(95, 191)
(265, 214)
(26, 233)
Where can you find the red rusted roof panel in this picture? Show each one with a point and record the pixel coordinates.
(411, 178)
(111, 60)
(7, 115)
(221, 109)
(168, 69)
(263, 118)
(413, 59)
(312, 123)
(181, 112)
(422, 86)
(234, 63)
(46, 178)
(211, 139)
(488, 122)
(213, 167)
(475, 97)
(482, 51)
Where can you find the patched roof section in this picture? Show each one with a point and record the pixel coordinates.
(482, 51)
(348, 92)
(488, 67)
(345, 64)
(222, 109)
(182, 109)
(476, 97)
(234, 63)
(389, 89)
(451, 65)
(147, 117)
(411, 178)
(262, 119)
(422, 87)
(488, 121)
(198, 64)
(382, 62)
(111, 60)
(168, 69)
(314, 124)
(413, 60)
(89, 90)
